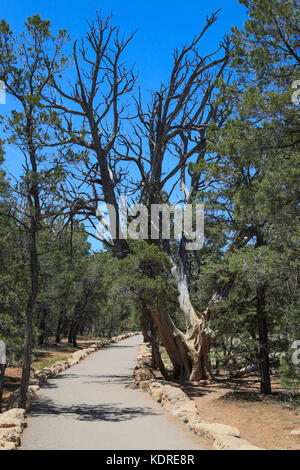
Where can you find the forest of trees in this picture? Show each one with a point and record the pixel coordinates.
(223, 130)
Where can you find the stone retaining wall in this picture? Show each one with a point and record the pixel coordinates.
(173, 399)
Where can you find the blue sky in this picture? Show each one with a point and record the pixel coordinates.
(161, 26)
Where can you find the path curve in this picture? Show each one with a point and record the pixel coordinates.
(95, 405)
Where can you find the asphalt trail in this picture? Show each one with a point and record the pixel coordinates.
(95, 405)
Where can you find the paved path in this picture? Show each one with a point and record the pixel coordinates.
(94, 405)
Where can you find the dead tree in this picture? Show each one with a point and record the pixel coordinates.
(95, 97)
(172, 128)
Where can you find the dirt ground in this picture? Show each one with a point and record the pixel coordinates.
(264, 421)
(44, 356)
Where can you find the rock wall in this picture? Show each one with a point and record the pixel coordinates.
(12, 423)
(173, 399)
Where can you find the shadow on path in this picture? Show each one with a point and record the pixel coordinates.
(90, 378)
(114, 412)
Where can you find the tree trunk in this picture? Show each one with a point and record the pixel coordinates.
(144, 325)
(197, 340)
(189, 353)
(175, 344)
(150, 336)
(42, 326)
(110, 326)
(70, 334)
(59, 328)
(74, 337)
(29, 315)
(264, 365)
(82, 328)
(157, 362)
(27, 359)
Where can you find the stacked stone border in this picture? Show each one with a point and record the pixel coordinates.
(174, 400)
(12, 422)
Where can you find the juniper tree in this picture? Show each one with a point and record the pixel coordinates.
(257, 175)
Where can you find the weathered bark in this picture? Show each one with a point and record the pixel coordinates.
(175, 343)
(185, 304)
(199, 337)
(197, 340)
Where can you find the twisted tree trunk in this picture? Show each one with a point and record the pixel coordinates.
(175, 344)
(195, 345)
(197, 339)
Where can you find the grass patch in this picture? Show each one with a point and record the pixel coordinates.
(48, 362)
